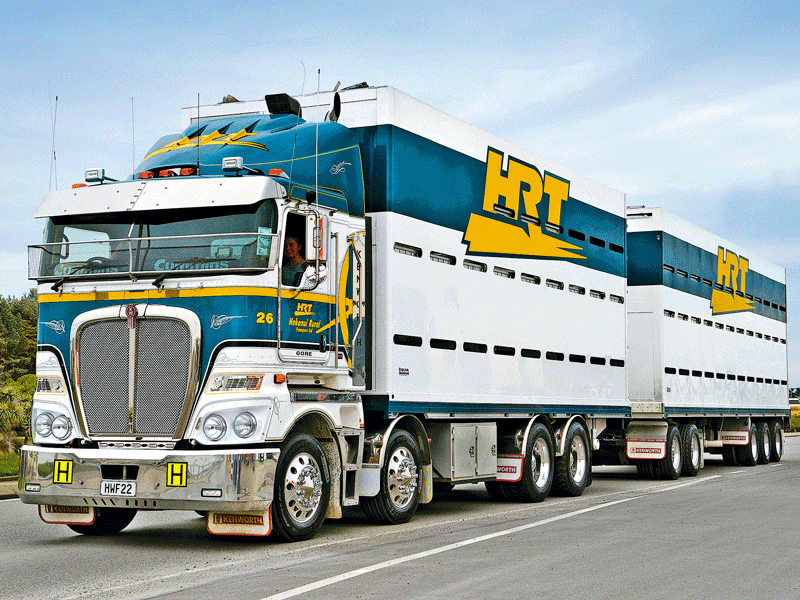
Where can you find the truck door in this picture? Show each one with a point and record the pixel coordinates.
(305, 303)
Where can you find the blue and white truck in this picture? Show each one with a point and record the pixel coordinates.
(275, 318)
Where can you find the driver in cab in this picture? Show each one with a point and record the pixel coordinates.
(293, 264)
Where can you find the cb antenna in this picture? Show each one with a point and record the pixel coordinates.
(53, 167)
(316, 148)
(198, 134)
(133, 140)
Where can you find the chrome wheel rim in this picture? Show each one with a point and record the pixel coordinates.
(675, 450)
(696, 451)
(401, 477)
(753, 445)
(577, 459)
(302, 488)
(541, 463)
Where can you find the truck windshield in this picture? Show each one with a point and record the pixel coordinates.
(190, 240)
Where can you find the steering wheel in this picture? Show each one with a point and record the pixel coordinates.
(98, 260)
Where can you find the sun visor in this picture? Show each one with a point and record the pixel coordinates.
(160, 194)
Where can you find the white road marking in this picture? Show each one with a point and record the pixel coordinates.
(325, 582)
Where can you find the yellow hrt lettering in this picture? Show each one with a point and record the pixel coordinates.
(744, 267)
(727, 268)
(520, 181)
(558, 190)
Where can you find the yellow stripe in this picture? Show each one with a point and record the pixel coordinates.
(177, 293)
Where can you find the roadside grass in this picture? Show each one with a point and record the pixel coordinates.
(795, 420)
(9, 465)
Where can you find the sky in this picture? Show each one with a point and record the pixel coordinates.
(694, 107)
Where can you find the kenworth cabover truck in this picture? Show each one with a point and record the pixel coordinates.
(275, 318)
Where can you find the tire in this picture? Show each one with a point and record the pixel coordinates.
(764, 443)
(302, 489)
(537, 467)
(776, 441)
(692, 449)
(497, 490)
(107, 521)
(747, 456)
(400, 492)
(572, 469)
(671, 465)
(729, 456)
(645, 468)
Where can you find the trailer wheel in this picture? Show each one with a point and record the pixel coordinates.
(537, 467)
(776, 441)
(400, 491)
(764, 443)
(107, 521)
(670, 466)
(748, 455)
(692, 449)
(730, 458)
(302, 489)
(572, 469)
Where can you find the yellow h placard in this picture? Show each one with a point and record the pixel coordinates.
(176, 474)
(62, 471)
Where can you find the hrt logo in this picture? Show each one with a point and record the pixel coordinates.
(520, 189)
(732, 278)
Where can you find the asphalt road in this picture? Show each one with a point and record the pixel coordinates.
(730, 532)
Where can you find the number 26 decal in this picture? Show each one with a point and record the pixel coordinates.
(264, 318)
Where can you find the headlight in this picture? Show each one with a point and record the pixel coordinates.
(214, 427)
(244, 425)
(44, 424)
(61, 427)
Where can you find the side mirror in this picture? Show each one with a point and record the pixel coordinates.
(317, 233)
(312, 278)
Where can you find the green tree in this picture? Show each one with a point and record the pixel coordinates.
(18, 328)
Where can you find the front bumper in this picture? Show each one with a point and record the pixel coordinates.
(211, 480)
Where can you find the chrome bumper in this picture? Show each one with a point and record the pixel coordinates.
(213, 480)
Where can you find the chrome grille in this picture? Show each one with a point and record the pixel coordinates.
(103, 376)
(163, 349)
(165, 360)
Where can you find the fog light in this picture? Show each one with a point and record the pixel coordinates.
(244, 425)
(211, 493)
(44, 424)
(214, 427)
(61, 427)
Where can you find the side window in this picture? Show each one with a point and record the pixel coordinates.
(294, 248)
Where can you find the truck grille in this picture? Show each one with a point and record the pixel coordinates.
(162, 372)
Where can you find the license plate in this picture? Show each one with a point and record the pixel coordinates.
(118, 488)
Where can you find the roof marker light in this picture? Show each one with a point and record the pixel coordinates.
(146, 175)
(277, 173)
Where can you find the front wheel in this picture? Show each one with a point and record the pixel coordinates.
(572, 469)
(302, 489)
(399, 495)
(107, 521)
